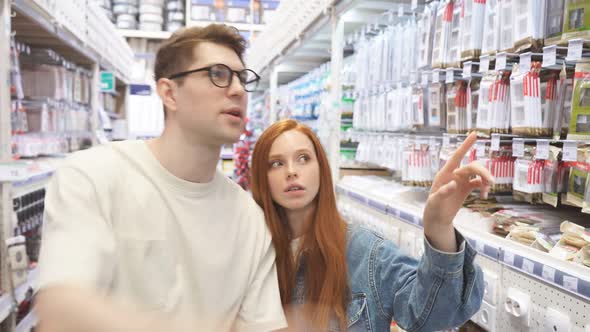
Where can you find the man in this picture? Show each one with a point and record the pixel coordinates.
(149, 236)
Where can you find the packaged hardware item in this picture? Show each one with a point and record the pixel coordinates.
(453, 50)
(533, 101)
(472, 104)
(420, 163)
(529, 24)
(457, 122)
(577, 182)
(436, 105)
(576, 22)
(491, 28)
(580, 118)
(551, 177)
(418, 106)
(507, 21)
(554, 10)
(563, 105)
(442, 31)
(472, 22)
(426, 24)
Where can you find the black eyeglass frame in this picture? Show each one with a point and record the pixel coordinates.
(233, 72)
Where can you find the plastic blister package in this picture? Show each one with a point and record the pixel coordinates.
(580, 118)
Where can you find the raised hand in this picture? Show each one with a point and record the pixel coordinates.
(451, 186)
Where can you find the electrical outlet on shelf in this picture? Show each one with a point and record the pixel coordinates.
(518, 305)
(486, 317)
(556, 321)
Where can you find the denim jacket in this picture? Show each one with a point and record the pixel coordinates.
(440, 291)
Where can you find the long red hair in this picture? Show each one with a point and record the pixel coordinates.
(323, 245)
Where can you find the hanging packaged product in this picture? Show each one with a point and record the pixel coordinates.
(484, 109)
(442, 31)
(533, 102)
(453, 57)
(419, 164)
(457, 121)
(501, 166)
(529, 24)
(554, 11)
(16, 82)
(426, 25)
(491, 28)
(528, 180)
(580, 118)
(472, 22)
(472, 104)
(499, 104)
(576, 22)
(507, 19)
(563, 105)
(418, 106)
(436, 105)
(552, 176)
(578, 180)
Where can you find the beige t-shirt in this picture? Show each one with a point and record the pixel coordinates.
(118, 221)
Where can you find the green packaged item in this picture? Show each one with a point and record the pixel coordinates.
(576, 23)
(580, 118)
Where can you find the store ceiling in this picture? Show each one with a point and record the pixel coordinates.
(314, 47)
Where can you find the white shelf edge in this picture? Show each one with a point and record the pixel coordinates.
(144, 34)
(27, 323)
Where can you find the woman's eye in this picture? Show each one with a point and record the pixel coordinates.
(304, 158)
(275, 164)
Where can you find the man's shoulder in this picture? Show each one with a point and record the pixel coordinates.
(240, 196)
(99, 162)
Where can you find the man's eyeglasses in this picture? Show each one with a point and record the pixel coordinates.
(222, 76)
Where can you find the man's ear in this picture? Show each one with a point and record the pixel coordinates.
(167, 91)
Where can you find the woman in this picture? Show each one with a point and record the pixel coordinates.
(336, 277)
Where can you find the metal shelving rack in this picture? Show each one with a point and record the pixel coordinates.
(250, 26)
(79, 31)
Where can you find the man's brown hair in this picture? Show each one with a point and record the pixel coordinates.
(177, 52)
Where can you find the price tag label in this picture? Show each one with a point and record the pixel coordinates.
(542, 150)
(435, 76)
(548, 273)
(484, 63)
(495, 143)
(467, 69)
(509, 258)
(446, 140)
(480, 149)
(518, 148)
(424, 78)
(525, 62)
(450, 78)
(549, 55)
(528, 266)
(574, 49)
(501, 61)
(570, 283)
(480, 246)
(570, 151)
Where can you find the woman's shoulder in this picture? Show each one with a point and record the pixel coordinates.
(362, 237)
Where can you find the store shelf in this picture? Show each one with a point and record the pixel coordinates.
(82, 37)
(25, 172)
(144, 34)
(6, 303)
(239, 26)
(567, 276)
(27, 323)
